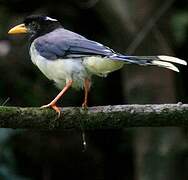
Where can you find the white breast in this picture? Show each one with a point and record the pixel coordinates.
(60, 70)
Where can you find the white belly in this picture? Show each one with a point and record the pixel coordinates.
(60, 70)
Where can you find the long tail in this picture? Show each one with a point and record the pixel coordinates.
(161, 61)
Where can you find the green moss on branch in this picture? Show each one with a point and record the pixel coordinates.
(100, 117)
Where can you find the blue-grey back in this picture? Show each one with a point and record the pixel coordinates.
(62, 43)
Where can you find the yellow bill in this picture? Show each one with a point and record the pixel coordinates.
(19, 29)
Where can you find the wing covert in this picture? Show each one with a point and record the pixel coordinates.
(66, 44)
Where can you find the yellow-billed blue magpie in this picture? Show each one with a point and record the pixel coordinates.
(70, 59)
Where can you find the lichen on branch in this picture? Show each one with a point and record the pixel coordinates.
(99, 117)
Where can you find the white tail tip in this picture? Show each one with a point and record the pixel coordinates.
(165, 65)
(172, 59)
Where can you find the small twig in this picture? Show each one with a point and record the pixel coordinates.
(148, 26)
(5, 102)
(84, 141)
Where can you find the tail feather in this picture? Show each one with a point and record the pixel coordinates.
(161, 61)
(165, 65)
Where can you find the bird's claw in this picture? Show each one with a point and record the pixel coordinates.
(84, 106)
(54, 107)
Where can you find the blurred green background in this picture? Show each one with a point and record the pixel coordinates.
(137, 27)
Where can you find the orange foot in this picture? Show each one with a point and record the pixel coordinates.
(53, 106)
(84, 105)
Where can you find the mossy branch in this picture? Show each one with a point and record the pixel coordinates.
(100, 117)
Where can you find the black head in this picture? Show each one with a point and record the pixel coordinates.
(36, 25)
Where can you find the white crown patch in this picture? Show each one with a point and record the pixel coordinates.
(50, 19)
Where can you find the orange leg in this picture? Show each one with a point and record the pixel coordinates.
(52, 104)
(87, 84)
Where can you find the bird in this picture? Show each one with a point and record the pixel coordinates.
(71, 60)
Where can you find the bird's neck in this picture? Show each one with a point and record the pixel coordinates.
(44, 31)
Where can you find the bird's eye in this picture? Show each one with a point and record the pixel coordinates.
(34, 26)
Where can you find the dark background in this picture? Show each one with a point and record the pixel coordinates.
(137, 27)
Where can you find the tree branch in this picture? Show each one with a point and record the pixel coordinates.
(100, 117)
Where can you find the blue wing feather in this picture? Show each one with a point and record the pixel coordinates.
(62, 43)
